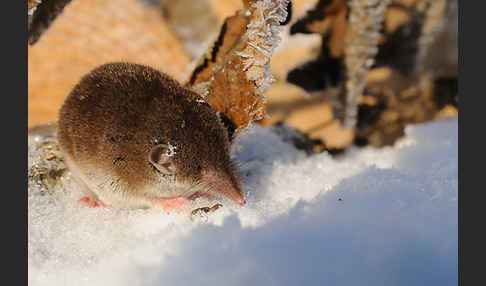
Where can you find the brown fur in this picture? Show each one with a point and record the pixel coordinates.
(117, 112)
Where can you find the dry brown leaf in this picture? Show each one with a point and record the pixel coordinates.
(233, 76)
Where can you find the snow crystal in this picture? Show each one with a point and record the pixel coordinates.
(372, 217)
(171, 151)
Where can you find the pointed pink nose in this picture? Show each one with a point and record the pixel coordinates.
(223, 185)
(241, 201)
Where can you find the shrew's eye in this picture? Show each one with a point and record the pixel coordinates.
(161, 157)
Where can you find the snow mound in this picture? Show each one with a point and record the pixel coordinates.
(371, 217)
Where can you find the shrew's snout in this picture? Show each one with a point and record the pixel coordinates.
(224, 185)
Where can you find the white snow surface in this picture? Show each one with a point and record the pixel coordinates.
(371, 217)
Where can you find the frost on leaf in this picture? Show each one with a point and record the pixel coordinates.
(234, 74)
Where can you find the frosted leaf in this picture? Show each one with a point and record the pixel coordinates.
(264, 33)
(234, 74)
(242, 54)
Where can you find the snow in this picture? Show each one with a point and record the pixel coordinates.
(370, 217)
(171, 148)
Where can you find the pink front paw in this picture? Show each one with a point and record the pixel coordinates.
(170, 204)
(91, 202)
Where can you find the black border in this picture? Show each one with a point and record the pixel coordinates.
(472, 63)
(14, 142)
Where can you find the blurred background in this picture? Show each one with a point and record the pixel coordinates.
(413, 77)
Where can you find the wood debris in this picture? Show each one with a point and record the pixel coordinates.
(204, 211)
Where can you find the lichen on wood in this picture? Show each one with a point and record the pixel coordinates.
(46, 163)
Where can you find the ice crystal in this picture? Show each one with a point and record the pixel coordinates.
(433, 24)
(365, 20)
(171, 150)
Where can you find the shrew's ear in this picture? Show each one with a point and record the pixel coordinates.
(161, 157)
